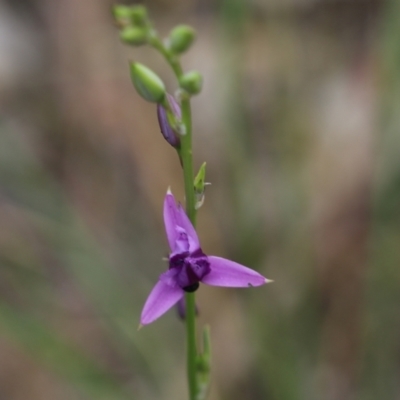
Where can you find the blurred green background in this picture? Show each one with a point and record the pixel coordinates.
(299, 123)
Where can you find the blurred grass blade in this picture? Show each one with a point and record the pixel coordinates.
(49, 349)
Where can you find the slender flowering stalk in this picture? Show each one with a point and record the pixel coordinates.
(188, 266)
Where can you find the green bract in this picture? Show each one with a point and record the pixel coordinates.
(192, 82)
(147, 83)
(199, 186)
(180, 38)
(200, 179)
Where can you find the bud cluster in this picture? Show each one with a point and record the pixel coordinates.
(133, 22)
(136, 30)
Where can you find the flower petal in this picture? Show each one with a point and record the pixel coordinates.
(176, 218)
(171, 219)
(194, 242)
(228, 273)
(160, 300)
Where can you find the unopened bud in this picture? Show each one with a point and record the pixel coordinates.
(170, 135)
(191, 82)
(133, 36)
(180, 38)
(147, 83)
(138, 15)
(122, 14)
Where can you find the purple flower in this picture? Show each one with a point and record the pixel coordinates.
(188, 266)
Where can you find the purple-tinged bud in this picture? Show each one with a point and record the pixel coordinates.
(170, 135)
(181, 308)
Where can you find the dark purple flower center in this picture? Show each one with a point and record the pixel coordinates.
(189, 269)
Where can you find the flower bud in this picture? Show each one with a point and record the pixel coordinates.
(138, 15)
(170, 135)
(192, 82)
(180, 38)
(122, 14)
(147, 83)
(134, 36)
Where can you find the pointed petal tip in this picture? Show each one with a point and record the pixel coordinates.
(140, 327)
(160, 300)
(169, 190)
(228, 273)
(268, 280)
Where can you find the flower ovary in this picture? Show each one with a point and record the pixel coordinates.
(191, 288)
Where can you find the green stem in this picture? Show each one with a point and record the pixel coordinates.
(191, 344)
(188, 176)
(157, 43)
(187, 162)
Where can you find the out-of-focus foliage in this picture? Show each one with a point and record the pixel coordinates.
(298, 122)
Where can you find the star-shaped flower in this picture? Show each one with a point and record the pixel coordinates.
(188, 266)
